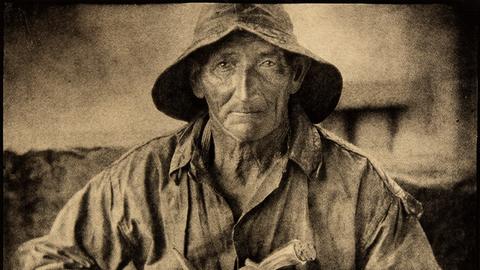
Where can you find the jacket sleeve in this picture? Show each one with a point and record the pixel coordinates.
(394, 238)
(86, 233)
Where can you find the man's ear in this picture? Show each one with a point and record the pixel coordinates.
(194, 77)
(300, 67)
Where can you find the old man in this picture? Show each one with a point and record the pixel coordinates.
(249, 174)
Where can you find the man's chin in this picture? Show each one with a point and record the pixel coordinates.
(245, 132)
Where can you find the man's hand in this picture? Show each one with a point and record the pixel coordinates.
(42, 255)
(294, 253)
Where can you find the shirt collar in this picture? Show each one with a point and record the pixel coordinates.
(304, 143)
(187, 140)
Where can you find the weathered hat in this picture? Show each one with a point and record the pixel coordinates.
(320, 90)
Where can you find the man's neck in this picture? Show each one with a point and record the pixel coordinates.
(238, 158)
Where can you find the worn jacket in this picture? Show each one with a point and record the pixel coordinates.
(158, 197)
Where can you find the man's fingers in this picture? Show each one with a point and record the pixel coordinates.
(295, 252)
(76, 257)
(246, 267)
(46, 249)
(276, 264)
(67, 255)
(51, 257)
(250, 265)
(52, 266)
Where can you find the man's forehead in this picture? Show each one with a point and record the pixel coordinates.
(240, 41)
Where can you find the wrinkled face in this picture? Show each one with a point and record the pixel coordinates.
(246, 83)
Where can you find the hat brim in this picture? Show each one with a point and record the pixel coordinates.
(318, 95)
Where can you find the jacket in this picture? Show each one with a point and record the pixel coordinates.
(157, 198)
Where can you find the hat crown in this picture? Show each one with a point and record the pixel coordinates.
(215, 19)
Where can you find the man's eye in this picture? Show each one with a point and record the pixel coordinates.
(224, 66)
(268, 63)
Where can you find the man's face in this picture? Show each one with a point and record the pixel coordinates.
(246, 83)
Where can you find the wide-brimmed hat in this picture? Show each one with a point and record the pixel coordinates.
(320, 90)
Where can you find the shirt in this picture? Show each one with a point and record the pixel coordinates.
(158, 198)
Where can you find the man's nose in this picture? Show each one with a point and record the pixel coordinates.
(245, 88)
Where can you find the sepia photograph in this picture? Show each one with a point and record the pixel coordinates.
(240, 136)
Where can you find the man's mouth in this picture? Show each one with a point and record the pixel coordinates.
(247, 109)
(246, 112)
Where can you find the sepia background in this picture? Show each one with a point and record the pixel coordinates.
(77, 82)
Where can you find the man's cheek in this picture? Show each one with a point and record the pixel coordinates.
(217, 105)
(272, 94)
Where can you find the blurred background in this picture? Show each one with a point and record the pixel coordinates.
(77, 82)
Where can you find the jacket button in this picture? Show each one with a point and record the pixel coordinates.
(171, 201)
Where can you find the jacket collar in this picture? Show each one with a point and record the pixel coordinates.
(304, 143)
